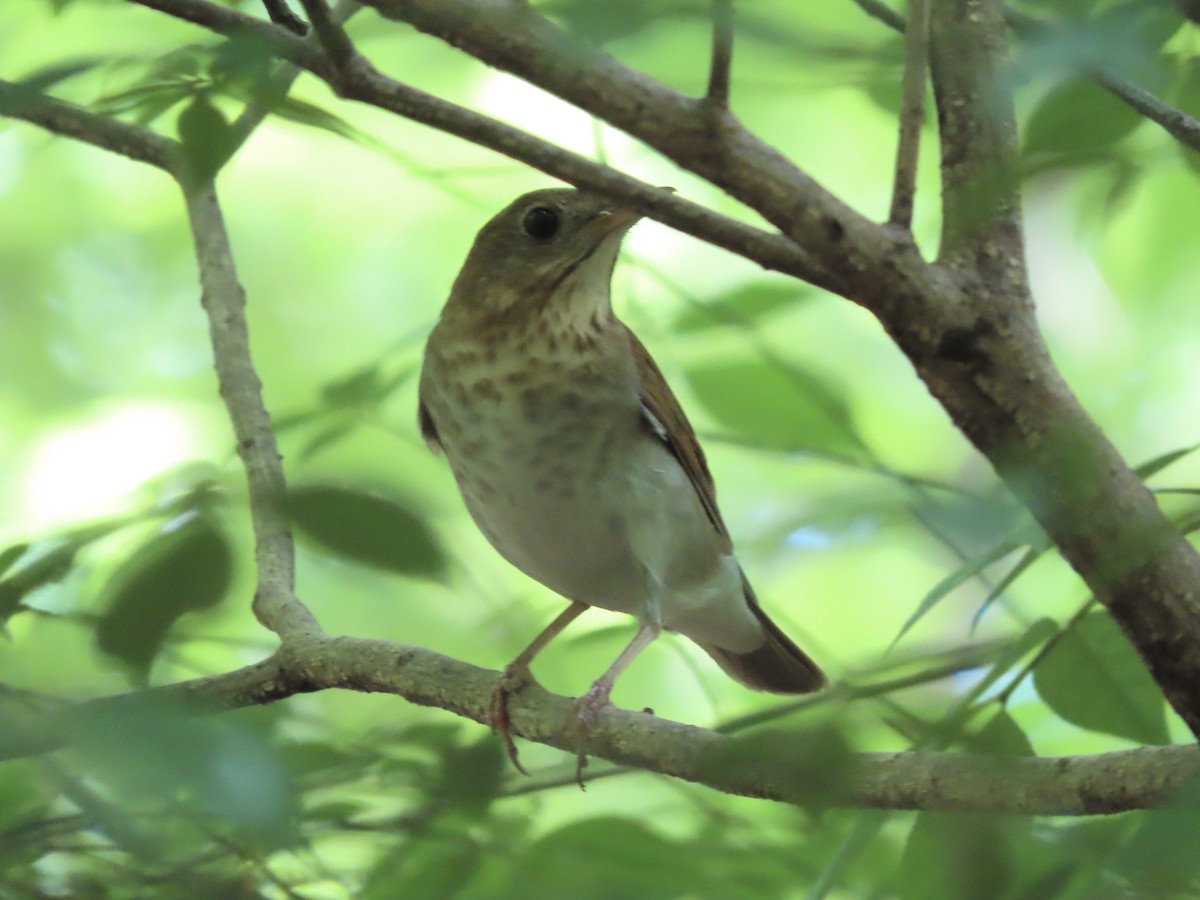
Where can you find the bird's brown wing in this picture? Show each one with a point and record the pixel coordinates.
(425, 422)
(669, 422)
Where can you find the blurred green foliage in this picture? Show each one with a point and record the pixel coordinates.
(868, 525)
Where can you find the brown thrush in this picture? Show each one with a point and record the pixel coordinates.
(576, 460)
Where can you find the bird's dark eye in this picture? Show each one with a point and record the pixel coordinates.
(540, 223)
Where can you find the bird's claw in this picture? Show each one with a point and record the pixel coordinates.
(511, 681)
(584, 716)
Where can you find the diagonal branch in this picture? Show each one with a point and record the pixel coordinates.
(740, 765)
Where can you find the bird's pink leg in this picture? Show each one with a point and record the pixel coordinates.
(585, 713)
(516, 675)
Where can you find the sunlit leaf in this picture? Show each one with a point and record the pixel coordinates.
(1093, 678)
(184, 570)
(368, 529)
(776, 409)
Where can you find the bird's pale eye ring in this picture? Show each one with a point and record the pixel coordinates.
(540, 223)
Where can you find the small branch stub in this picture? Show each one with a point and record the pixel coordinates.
(722, 53)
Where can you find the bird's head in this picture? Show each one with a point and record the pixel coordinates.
(548, 252)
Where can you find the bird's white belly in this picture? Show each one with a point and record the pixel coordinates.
(576, 491)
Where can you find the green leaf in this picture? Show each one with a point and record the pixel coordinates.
(425, 867)
(1153, 466)
(147, 101)
(1160, 857)
(184, 570)
(604, 858)
(816, 763)
(959, 855)
(1076, 120)
(744, 305)
(1025, 534)
(1028, 558)
(304, 113)
(792, 409)
(147, 749)
(52, 566)
(208, 139)
(11, 556)
(471, 776)
(1092, 678)
(367, 529)
(1001, 736)
(56, 73)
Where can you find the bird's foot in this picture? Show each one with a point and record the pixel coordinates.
(515, 677)
(583, 718)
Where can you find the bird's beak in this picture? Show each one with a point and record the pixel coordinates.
(614, 218)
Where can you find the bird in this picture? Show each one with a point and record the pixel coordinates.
(575, 459)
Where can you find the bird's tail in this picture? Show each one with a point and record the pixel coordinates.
(778, 666)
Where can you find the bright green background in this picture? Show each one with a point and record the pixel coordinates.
(814, 423)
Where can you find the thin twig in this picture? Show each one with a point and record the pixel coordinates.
(879, 10)
(912, 112)
(329, 32)
(722, 53)
(281, 14)
(19, 101)
(224, 301)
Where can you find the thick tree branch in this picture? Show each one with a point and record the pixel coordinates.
(1081, 785)
(912, 112)
(981, 190)
(224, 300)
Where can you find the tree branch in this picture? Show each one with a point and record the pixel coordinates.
(981, 201)
(912, 113)
(224, 301)
(722, 53)
(1181, 126)
(363, 83)
(19, 101)
(741, 765)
